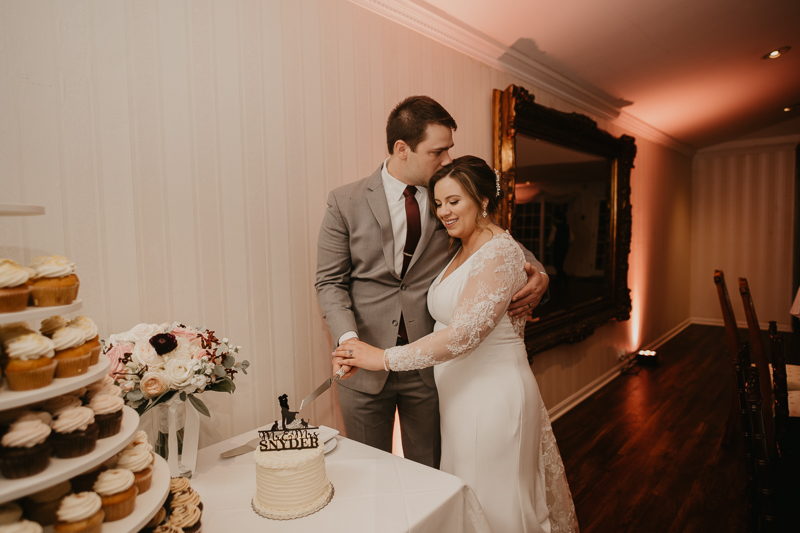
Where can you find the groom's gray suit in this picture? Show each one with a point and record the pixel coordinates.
(359, 290)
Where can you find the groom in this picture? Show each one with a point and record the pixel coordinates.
(379, 249)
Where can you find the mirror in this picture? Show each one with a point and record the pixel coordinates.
(566, 197)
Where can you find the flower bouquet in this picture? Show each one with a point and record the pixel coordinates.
(154, 362)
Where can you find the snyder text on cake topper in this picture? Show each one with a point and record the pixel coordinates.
(291, 434)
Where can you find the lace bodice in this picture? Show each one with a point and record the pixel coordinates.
(496, 273)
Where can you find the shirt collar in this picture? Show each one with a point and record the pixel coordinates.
(394, 187)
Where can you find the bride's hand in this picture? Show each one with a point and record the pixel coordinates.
(349, 370)
(355, 353)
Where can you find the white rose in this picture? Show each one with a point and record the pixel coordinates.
(199, 382)
(182, 351)
(180, 372)
(144, 331)
(145, 354)
(154, 384)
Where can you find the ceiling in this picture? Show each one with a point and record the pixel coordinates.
(691, 68)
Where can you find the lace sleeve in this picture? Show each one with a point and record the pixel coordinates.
(496, 274)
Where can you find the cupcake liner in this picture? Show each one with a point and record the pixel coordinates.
(16, 463)
(116, 508)
(94, 354)
(75, 444)
(69, 367)
(93, 524)
(35, 378)
(43, 513)
(110, 424)
(52, 296)
(14, 299)
(142, 479)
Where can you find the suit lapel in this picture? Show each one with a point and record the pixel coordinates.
(376, 197)
(430, 226)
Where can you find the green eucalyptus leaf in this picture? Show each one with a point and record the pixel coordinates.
(245, 364)
(183, 396)
(134, 395)
(199, 405)
(228, 361)
(219, 371)
(167, 396)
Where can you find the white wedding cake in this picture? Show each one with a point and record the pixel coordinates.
(290, 474)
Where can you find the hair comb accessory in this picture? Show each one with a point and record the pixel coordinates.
(497, 181)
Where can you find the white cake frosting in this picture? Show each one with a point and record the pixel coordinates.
(291, 483)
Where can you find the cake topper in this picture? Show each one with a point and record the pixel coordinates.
(292, 434)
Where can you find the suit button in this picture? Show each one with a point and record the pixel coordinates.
(403, 287)
(394, 322)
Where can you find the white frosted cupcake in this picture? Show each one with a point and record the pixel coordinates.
(104, 386)
(30, 361)
(44, 416)
(51, 324)
(80, 513)
(14, 289)
(138, 461)
(55, 282)
(72, 354)
(22, 526)
(59, 404)
(24, 449)
(91, 335)
(107, 413)
(117, 492)
(74, 433)
(140, 440)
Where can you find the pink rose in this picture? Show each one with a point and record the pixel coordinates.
(115, 354)
(200, 353)
(185, 333)
(154, 384)
(126, 386)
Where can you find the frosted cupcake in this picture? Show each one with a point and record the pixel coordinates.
(187, 518)
(185, 497)
(107, 413)
(117, 492)
(80, 513)
(30, 362)
(104, 386)
(41, 506)
(22, 526)
(51, 324)
(14, 290)
(44, 416)
(138, 461)
(10, 513)
(55, 282)
(72, 355)
(59, 404)
(24, 449)
(74, 433)
(90, 336)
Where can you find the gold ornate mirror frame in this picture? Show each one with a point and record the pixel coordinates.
(514, 113)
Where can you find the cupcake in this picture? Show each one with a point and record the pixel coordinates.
(9, 513)
(22, 526)
(117, 492)
(167, 528)
(41, 506)
(44, 416)
(14, 290)
(185, 497)
(138, 461)
(24, 449)
(107, 413)
(187, 518)
(72, 355)
(55, 282)
(104, 386)
(74, 433)
(85, 482)
(51, 324)
(159, 517)
(31, 364)
(90, 336)
(179, 484)
(141, 440)
(59, 404)
(80, 513)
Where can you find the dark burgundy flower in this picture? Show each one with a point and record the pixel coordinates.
(163, 343)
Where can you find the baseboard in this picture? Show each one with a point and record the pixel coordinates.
(567, 404)
(668, 335)
(741, 324)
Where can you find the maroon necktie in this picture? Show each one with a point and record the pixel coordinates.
(413, 231)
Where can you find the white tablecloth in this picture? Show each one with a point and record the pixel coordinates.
(374, 491)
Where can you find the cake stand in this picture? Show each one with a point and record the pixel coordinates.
(35, 313)
(20, 210)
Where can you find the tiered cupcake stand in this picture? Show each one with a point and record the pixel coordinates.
(58, 470)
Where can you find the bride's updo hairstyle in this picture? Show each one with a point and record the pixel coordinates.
(476, 178)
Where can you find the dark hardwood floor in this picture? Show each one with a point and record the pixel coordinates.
(644, 454)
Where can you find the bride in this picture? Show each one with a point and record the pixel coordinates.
(496, 434)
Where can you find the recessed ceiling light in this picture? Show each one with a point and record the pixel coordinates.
(775, 54)
(791, 107)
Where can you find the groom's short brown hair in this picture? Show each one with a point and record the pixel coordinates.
(411, 117)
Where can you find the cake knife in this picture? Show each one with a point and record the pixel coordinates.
(322, 388)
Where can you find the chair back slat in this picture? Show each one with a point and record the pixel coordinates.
(731, 331)
(759, 358)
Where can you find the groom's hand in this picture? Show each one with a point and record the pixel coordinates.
(529, 296)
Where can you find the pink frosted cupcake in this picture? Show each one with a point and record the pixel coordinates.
(80, 513)
(107, 413)
(14, 289)
(117, 492)
(90, 336)
(74, 433)
(24, 449)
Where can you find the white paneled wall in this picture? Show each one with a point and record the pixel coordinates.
(184, 151)
(743, 215)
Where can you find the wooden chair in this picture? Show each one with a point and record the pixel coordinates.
(741, 370)
(759, 359)
(734, 346)
(779, 388)
(764, 453)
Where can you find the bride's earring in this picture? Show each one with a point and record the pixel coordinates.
(485, 214)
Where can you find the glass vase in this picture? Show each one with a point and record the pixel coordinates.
(171, 442)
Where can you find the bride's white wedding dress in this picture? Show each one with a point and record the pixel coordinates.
(496, 434)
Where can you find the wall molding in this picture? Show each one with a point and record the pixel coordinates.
(767, 144)
(741, 324)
